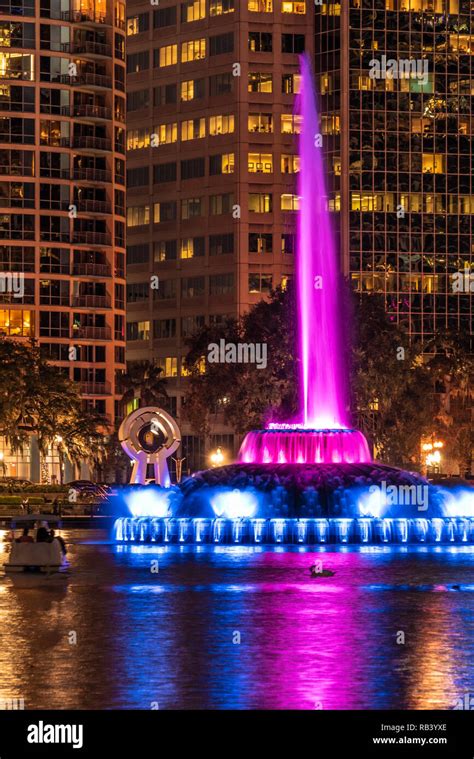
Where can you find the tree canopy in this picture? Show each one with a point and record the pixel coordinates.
(393, 380)
(38, 398)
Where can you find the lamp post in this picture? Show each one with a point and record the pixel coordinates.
(217, 457)
(431, 452)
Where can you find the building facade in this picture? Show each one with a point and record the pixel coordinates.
(396, 83)
(62, 193)
(211, 173)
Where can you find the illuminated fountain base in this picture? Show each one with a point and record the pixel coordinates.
(282, 444)
(297, 504)
(256, 531)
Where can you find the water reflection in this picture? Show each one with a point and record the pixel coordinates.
(242, 627)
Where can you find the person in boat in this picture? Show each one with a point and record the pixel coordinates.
(42, 535)
(25, 537)
(53, 537)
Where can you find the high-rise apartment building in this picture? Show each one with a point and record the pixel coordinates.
(211, 171)
(396, 83)
(62, 192)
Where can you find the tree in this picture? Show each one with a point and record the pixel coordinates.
(246, 395)
(39, 399)
(391, 389)
(391, 380)
(143, 382)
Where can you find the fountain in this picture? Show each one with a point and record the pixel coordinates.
(311, 480)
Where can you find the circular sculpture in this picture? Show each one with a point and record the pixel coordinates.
(148, 436)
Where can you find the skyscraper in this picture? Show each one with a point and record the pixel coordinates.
(62, 192)
(396, 85)
(211, 165)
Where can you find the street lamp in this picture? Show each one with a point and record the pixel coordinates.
(432, 453)
(217, 457)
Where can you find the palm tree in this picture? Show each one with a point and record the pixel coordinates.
(39, 399)
(143, 382)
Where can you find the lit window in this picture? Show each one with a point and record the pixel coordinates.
(138, 215)
(260, 6)
(17, 323)
(193, 10)
(291, 84)
(187, 90)
(260, 163)
(132, 26)
(331, 124)
(163, 212)
(260, 283)
(193, 50)
(187, 248)
(326, 84)
(193, 129)
(336, 166)
(138, 139)
(169, 366)
(260, 122)
(288, 6)
(290, 124)
(331, 9)
(260, 202)
(433, 164)
(199, 366)
(260, 82)
(17, 66)
(165, 134)
(373, 201)
(219, 7)
(290, 202)
(290, 164)
(221, 125)
(168, 55)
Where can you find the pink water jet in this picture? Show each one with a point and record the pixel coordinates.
(321, 434)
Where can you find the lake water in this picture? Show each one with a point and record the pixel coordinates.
(228, 627)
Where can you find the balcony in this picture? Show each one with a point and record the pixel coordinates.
(89, 80)
(92, 112)
(93, 206)
(92, 238)
(54, 205)
(95, 388)
(92, 270)
(78, 17)
(91, 301)
(93, 175)
(92, 143)
(55, 110)
(91, 333)
(92, 48)
(55, 142)
(50, 236)
(51, 173)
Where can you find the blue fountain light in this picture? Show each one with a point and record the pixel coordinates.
(148, 502)
(458, 502)
(234, 504)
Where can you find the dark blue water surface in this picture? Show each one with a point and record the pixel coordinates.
(231, 627)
